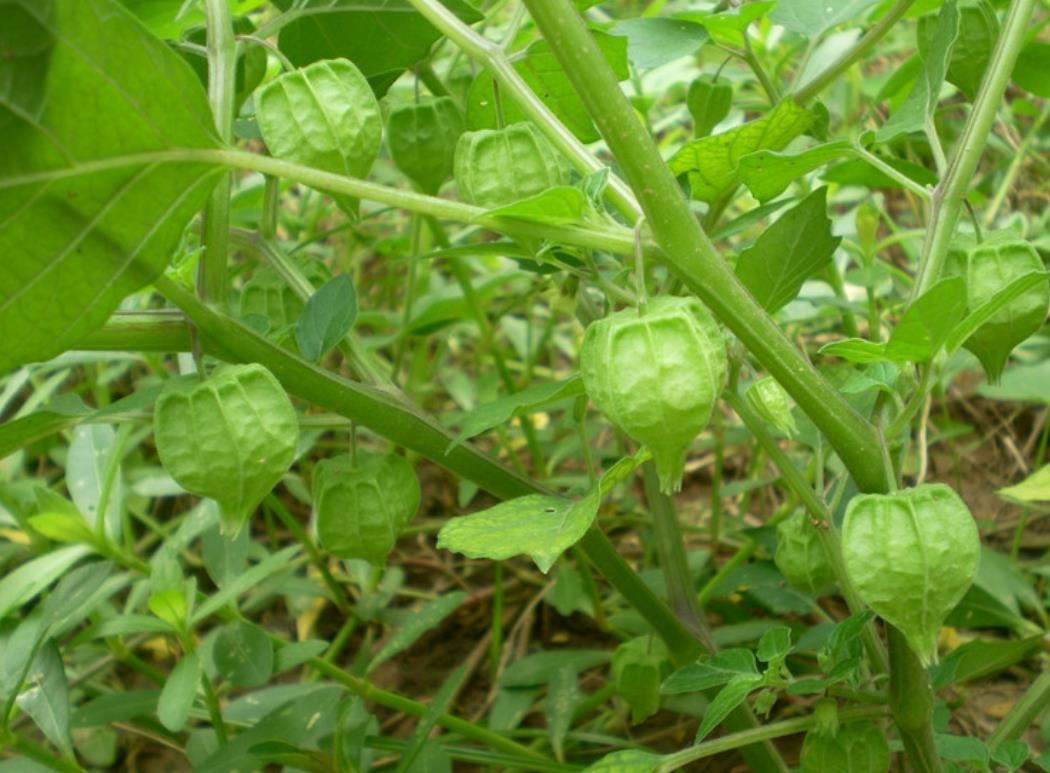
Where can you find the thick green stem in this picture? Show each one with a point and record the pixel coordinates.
(951, 191)
(911, 702)
(673, 562)
(161, 330)
(689, 252)
(391, 417)
(222, 69)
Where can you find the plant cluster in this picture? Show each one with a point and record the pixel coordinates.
(332, 328)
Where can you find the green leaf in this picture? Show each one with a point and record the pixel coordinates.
(728, 27)
(1034, 488)
(813, 19)
(637, 670)
(27, 581)
(859, 747)
(729, 697)
(712, 162)
(325, 116)
(1011, 754)
(47, 698)
(326, 318)
(537, 525)
(560, 205)
(711, 672)
(1032, 70)
(299, 723)
(382, 37)
(775, 643)
(923, 330)
(539, 668)
(626, 761)
(918, 106)
(972, 51)
(92, 204)
(243, 654)
(63, 412)
(708, 101)
(563, 695)
(958, 748)
(767, 174)
(417, 624)
(270, 565)
(90, 455)
(540, 69)
(178, 693)
(489, 415)
(981, 658)
(794, 248)
(654, 41)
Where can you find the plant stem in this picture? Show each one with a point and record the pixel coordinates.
(688, 251)
(829, 536)
(491, 56)
(673, 562)
(766, 732)
(813, 87)
(222, 70)
(949, 194)
(159, 330)
(911, 702)
(37, 753)
(370, 692)
(339, 597)
(405, 425)
(1035, 699)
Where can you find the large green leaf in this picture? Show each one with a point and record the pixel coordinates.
(538, 525)
(794, 248)
(712, 163)
(382, 37)
(86, 83)
(814, 18)
(767, 174)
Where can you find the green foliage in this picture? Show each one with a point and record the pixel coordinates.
(869, 207)
(708, 101)
(326, 318)
(81, 228)
(229, 438)
(711, 164)
(789, 252)
(858, 747)
(911, 556)
(656, 373)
